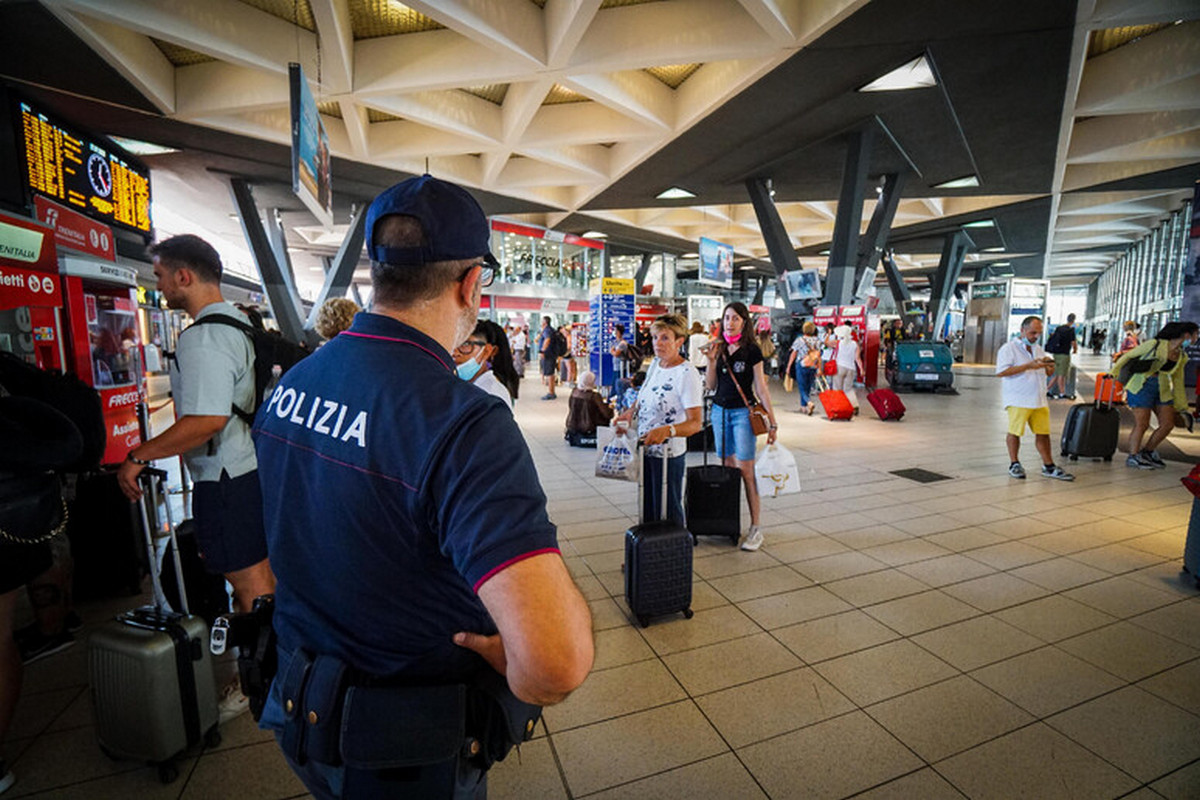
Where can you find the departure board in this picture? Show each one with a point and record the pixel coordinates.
(80, 172)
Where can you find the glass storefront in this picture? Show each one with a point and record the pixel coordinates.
(536, 256)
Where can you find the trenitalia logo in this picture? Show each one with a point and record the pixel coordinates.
(126, 399)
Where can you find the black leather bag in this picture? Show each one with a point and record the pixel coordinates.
(32, 510)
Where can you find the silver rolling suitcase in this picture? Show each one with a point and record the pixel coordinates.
(150, 671)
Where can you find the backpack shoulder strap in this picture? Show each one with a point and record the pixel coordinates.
(232, 322)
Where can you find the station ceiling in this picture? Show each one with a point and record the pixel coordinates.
(1080, 122)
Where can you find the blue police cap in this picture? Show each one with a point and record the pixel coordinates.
(454, 225)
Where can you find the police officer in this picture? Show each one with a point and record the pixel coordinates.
(406, 524)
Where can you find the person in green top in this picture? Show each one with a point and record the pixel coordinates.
(1153, 376)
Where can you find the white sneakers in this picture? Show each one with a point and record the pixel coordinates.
(233, 702)
(753, 540)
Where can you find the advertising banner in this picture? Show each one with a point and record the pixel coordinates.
(716, 263)
(310, 150)
(802, 284)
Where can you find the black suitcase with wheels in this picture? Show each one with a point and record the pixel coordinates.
(1091, 430)
(658, 564)
(713, 500)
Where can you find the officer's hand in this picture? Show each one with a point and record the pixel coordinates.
(490, 647)
(127, 476)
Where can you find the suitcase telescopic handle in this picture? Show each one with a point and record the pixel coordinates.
(642, 482)
(152, 481)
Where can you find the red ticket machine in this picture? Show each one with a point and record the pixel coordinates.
(105, 344)
(866, 332)
(30, 293)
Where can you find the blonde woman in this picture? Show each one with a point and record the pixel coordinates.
(335, 316)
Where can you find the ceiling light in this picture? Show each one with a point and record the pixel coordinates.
(595, 235)
(140, 148)
(980, 223)
(823, 253)
(1000, 264)
(675, 193)
(964, 182)
(690, 255)
(993, 250)
(916, 74)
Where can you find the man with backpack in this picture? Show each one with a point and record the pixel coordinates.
(1061, 344)
(213, 384)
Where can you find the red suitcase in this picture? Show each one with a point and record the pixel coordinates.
(836, 404)
(886, 404)
(1109, 389)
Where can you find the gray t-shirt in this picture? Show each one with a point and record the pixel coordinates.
(213, 369)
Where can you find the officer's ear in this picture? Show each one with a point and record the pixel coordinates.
(469, 290)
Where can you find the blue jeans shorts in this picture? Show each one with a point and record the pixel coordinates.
(229, 523)
(733, 434)
(1147, 397)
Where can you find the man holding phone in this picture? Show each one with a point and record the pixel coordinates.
(1022, 366)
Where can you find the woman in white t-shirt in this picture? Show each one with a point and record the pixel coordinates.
(849, 364)
(669, 408)
(485, 361)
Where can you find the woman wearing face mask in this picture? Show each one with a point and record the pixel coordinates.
(1153, 376)
(670, 408)
(735, 369)
(485, 360)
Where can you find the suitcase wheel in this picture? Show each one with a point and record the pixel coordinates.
(733, 538)
(212, 739)
(168, 772)
(1074, 458)
(1108, 458)
(643, 620)
(688, 614)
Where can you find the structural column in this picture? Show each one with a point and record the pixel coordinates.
(946, 278)
(277, 282)
(843, 251)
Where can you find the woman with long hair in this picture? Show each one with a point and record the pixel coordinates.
(735, 370)
(485, 360)
(1153, 374)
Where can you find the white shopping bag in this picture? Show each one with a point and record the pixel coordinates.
(776, 472)
(617, 457)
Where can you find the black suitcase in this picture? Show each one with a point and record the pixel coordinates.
(206, 594)
(105, 540)
(1091, 430)
(658, 564)
(713, 500)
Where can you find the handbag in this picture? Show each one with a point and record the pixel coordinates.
(1135, 366)
(760, 423)
(32, 508)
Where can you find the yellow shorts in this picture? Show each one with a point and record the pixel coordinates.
(1037, 418)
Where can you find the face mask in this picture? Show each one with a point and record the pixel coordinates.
(732, 339)
(468, 369)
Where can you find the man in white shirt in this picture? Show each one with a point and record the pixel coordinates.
(1022, 366)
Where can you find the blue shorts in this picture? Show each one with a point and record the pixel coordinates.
(1147, 397)
(229, 523)
(736, 423)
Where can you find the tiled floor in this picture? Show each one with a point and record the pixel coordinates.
(980, 637)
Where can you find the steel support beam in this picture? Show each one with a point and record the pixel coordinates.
(356, 295)
(895, 280)
(944, 281)
(779, 245)
(843, 251)
(340, 274)
(880, 226)
(277, 282)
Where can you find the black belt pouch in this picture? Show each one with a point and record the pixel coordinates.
(499, 718)
(394, 727)
(295, 681)
(323, 710)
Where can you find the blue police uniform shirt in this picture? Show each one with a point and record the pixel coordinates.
(392, 490)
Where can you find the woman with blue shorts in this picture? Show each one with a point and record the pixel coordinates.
(1153, 374)
(735, 356)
